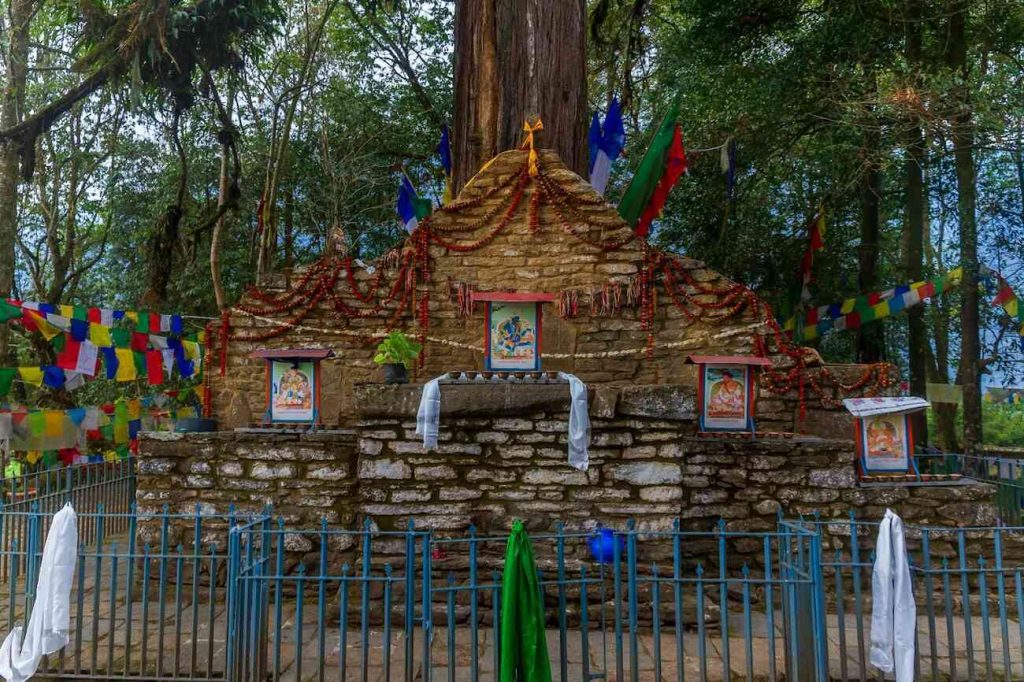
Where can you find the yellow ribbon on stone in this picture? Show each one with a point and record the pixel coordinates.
(530, 130)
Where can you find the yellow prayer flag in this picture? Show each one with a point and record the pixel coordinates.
(131, 315)
(848, 306)
(881, 310)
(67, 311)
(917, 285)
(100, 336)
(955, 276)
(54, 424)
(201, 336)
(32, 456)
(134, 409)
(121, 433)
(789, 325)
(125, 364)
(32, 375)
(1012, 307)
(810, 332)
(45, 328)
(191, 349)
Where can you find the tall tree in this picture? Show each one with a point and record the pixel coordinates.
(871, 337)
(12, 104)
(962, 124)
(517, 59)
(915, 212)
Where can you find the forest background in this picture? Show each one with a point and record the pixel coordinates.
(163, 155)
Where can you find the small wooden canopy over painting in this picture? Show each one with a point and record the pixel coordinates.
(512, 339)
(885, 435)
(726, 391)
(293, 384)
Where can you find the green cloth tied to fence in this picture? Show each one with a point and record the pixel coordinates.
(524, 650)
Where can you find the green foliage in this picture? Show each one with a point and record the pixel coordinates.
(1002, 424)
(397, 349)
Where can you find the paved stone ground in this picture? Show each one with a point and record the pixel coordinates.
(182, 634)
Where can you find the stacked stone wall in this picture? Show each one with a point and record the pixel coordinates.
(502, 455)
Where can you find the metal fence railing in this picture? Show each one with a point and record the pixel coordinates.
(969, 590)
(182, 597)
(106, 487)
(412, 605)
(138, 610)
(1005, 473)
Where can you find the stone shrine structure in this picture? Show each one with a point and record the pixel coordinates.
(624, 317)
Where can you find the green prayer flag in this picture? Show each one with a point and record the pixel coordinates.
(652, 167)
(80, 313)
(50, 459)
(140, 362)
(120, 412)
(36, 423)
(122, 452)
(122, 337)
(142, 324)
(58, 342)
(524, 650)
(9, 312)
(7, 375)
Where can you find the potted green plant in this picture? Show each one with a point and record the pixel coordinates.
(395, 353)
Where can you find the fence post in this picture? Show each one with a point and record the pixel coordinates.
(232, 643)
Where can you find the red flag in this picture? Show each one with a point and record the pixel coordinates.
(675, 167)
(154, 367)
(94, 315)
(154, 323)
(1005, 294)
(68, 359)
(140, 341)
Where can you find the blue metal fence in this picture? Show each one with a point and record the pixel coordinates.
(969, 590)
(108, 487)
(1005, 473)
(183, 597)
(418, 606)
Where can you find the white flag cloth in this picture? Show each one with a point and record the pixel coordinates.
(428, 416)
(579, 423)
(49, 622)
(893, 612)
(88, 357)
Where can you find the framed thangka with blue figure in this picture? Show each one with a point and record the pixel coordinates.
(512, 330)
(726, 391)
(293, 385)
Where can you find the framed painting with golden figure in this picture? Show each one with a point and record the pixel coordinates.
(886, 442)
(726, 391)
(293, 384)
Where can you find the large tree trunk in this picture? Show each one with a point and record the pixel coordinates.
(517, 59)
(963, 156)
(12, 103)
(914, 219)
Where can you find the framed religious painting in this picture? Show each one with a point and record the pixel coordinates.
(726, 391)
(512, 330)
(293, 385)
(884, 433)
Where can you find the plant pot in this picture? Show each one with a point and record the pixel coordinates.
(395, 373)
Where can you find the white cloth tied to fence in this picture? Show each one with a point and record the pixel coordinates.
(49, 622)
(428, 419)
(893, 612)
